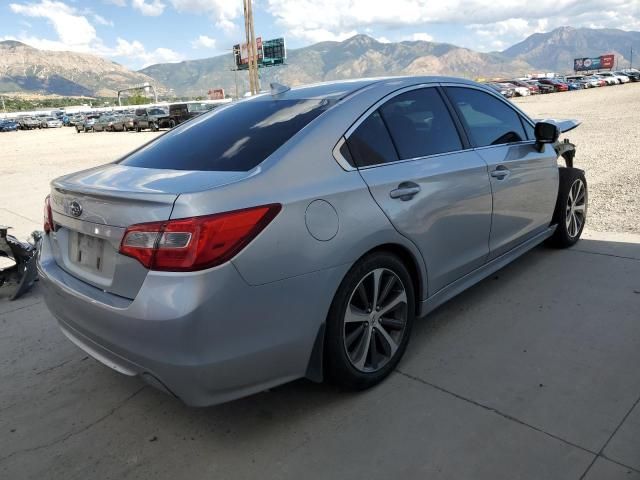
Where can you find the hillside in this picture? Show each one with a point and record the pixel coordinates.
(26, 69)
(555, 50)
(357, 56)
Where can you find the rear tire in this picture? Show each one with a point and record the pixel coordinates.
(570, 214)
(364, 342)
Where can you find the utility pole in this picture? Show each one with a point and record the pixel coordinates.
(248, 42)
(252, 50)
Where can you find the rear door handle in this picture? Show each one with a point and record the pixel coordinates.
(405, 191)
(500, 172)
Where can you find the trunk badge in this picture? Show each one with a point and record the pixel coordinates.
(75, 208)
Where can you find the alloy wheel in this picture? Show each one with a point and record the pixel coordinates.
(576, 208)
(375, 320)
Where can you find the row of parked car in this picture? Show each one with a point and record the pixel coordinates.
(39, 121)
(147, 118)
(153, 118)
(521, 87)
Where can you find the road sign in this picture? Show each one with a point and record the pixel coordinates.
(270, 53)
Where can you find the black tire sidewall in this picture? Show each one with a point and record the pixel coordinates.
(561, 237)
(338, 367)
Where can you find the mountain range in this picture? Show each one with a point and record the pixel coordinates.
(27, 69)
(23, 68)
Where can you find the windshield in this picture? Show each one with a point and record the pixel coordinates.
(234, 138)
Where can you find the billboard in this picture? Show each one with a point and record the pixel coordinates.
(241, 54)
(270, 53)
(594, 63)
(274, 52)
(216, 94)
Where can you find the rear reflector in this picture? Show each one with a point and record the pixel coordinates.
(196, 243)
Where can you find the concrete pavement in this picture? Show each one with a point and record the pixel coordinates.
(532, 374)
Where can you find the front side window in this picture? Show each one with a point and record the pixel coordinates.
(235, 138)
(420, 124)
(488, 120)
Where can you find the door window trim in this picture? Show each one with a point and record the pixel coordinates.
(462, 134)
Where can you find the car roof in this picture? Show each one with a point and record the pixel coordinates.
(338, 89)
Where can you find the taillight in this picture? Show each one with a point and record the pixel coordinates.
(48, 216)
(196, 243)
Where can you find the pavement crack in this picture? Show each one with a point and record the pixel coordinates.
(528, 425)
(18, 215)
(75, 432)
(20, 308)
(494, 410)
(604, 254)
(613, 434)
(46, 370)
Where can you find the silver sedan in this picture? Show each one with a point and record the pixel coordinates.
(299, 233)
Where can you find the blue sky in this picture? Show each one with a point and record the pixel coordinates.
(138, 33)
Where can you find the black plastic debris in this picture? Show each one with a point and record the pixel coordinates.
(20, 275)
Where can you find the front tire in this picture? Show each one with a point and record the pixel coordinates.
(571, 208)
(369, 322)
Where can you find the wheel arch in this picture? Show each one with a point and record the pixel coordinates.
(315, 366)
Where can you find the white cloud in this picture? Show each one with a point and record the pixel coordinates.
(135, 50)
(312, 19)
(422, 36)
(99, 19)
(73, 30)
(117, 3)
(321, 34)
(203, 42)
(222, 12)
(151, 9)
(76, 33)
(383, 40)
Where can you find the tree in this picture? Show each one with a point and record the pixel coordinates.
(137, 99)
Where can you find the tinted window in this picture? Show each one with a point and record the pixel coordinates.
(488, 120)
(370, 143)
(235, 138)
(420, 124)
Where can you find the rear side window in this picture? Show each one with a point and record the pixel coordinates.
(488, 120)
(370, 143)
(420, 124)
(235, 138)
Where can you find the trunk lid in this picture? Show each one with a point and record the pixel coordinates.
(92, 209)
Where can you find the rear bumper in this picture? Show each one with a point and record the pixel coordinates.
(207, 337)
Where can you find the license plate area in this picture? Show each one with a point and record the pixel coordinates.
(87, 251)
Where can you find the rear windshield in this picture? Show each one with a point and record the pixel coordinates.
(235, 138)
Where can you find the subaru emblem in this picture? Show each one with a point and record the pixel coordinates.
(75, 208)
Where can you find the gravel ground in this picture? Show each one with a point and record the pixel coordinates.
(608, 149)
(608, 144)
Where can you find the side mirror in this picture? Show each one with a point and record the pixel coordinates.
(546, 132)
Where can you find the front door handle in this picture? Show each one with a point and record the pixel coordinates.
(405, 191)
(500, 172)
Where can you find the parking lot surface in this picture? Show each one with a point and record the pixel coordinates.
(531, 374)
